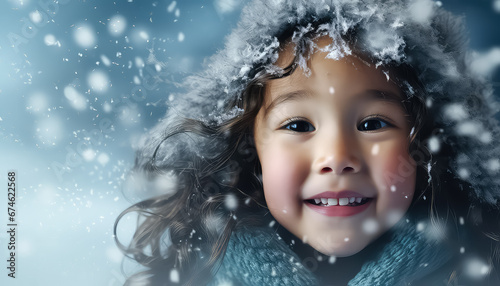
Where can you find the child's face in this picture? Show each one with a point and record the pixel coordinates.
(338, 134)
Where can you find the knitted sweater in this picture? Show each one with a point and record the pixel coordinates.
(258, 257)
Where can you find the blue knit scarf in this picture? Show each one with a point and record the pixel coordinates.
(258, 257)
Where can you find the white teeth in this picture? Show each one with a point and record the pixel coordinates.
(339, 201)
(343, 201)
(332, 202)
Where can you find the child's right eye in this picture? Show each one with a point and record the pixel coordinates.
(299, 126)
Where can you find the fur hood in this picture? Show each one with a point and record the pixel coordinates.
(418, 33)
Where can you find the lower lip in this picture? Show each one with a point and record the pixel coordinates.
(339, 210)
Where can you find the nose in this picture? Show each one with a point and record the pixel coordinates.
(339, 156)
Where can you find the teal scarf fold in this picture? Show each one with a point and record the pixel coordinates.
(258, 257)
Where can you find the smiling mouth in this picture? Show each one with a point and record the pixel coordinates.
(348, 202)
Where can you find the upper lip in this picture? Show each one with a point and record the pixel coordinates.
(336, 195)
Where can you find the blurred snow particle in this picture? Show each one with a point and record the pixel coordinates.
(428, 102)
(226, 6)
(485, 63)
(84, 36)
(98, 81)
(469, 128)
(463, 173)
(180, 37)
(37, 102)
(76, 99)
(462, 249)
(461, 220)
(137, 81)
(171, 7)
(455, 111)
(496, 6)
(129, 115)
(231, 202)
(346, 239)
(50, 40)
(105, 60)
(117, 25)
(177, 13)
(331, 90)
(144, 35)
(375, 149)
(88, 155)
(139, 62)
(476, 268)
(393, 188)
(103, 159)
(379, 39)
(370, 226)
(220, 103)
(49, 130)
(434, 230)
(486, 137)
(36, 17)
(107, 107)
(434, 144)
(164, 184)
(420, 226)
(174, 276)
(421, 11)
(493, 165)
(114, 254)
(393, 217)
(215, 222)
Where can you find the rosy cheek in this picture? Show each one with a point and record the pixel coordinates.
(394, 173)
(281, 174)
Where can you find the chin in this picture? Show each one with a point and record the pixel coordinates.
(339, 250)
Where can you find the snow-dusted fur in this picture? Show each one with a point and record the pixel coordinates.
(418, 33)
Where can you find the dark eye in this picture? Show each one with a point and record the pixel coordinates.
(299, 126)
(372, 125)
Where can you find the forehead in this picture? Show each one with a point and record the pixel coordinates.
(351, 74)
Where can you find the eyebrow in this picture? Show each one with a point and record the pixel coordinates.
(374, 94)
(383, 95)
(289, 96)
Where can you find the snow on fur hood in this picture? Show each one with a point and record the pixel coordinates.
(418, 33)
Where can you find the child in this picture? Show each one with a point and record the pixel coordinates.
(330, 143)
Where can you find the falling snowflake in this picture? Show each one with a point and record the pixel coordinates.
(85, 36)
(231, 202)
(117, 25)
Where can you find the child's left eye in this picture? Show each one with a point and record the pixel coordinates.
(373, 124)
